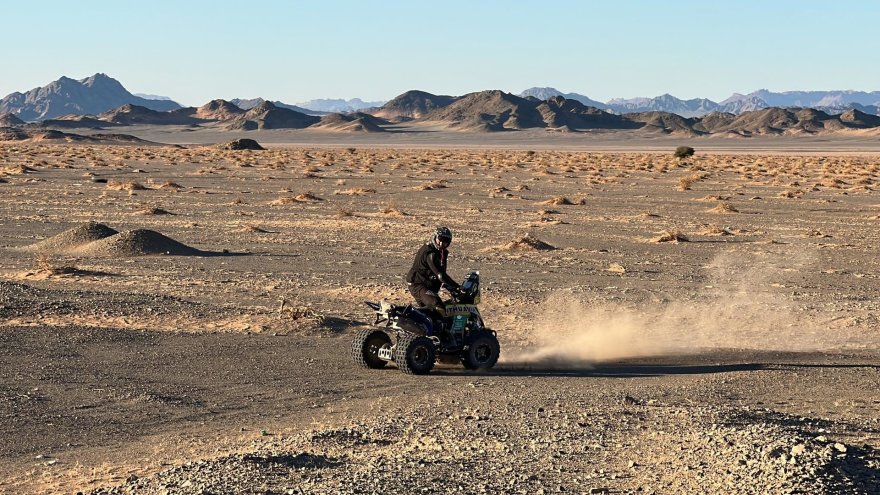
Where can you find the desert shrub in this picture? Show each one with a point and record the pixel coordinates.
(684, 152)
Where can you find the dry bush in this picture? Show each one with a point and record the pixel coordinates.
(616, 268)
(127, 185)
(342, 212)
(391, 209)
(527, 242)
(685, 183)
(672, 236)
(45, 266)
(430, 186)
(717, 230)
(356, 191)
(17, 170)
(724, 208)
(712, 197)
(557, 201)
(306, 197)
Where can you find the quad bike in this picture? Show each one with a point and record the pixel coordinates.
(415, 340)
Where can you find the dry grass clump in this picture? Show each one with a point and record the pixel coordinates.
(170, 185)
(797, 193)
(557, 201)
(125, 185)
(430, 186)
(527, 242)
(712, 197)
(342, 212)
(392, 209)
(685, 183)
(616, 268)
(717, 230)
(724, 208)
(355, 191)
(46, 267)
(672, 236)
(306, 197)
(17, 170)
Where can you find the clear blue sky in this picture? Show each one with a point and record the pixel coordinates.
(196, 50)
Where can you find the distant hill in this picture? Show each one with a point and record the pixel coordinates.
(10, 120)
(559, 112)
(92, 95)
(213, 110)
(352, 122)
(547, 93)
(665, 103)
(491, 110)
(412, 105)
(247, 104)
(136, 114)
(338, 105)
(152, 97)
(268, 116)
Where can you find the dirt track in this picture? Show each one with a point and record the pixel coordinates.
(630, 365)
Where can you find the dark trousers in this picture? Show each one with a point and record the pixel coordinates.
(426, 297)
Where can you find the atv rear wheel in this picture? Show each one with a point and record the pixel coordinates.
(482, 353)
(365, 348)
(414, 354)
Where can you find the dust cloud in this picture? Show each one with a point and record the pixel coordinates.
(749, 303)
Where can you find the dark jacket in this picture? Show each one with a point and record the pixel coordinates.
(429, 268)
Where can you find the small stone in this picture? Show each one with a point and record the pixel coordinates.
(798, 449)
(840, 448)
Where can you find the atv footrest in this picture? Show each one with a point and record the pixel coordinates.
(385, 353)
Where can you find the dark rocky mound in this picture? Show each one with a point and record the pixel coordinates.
(354, 122)
(860, 120)
(217, 110)
(73, 238)
(140, 242)
(664, 123)
(412, 105)
(135, 114)
(10, 120)
(241, 144)
(76, 122)
(13, 134)
(560, 113)
(488, 111)
(268, 116)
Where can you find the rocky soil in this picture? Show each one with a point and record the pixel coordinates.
(667, 326)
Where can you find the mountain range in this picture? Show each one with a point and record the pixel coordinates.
(88, 103)
(828, 101)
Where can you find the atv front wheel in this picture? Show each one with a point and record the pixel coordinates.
(414, 354)
(365, 348)
(482, 353)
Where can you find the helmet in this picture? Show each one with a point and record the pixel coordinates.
(442, 233)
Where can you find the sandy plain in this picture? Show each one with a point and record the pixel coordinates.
(743, 358)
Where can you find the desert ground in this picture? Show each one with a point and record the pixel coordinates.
(176, 319)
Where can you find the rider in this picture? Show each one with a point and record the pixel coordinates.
(428, 273)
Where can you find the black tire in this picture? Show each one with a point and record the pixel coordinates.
(414, 354)
(482, 353)
(365, 348)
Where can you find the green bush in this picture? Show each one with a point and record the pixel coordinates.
(684, 152)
